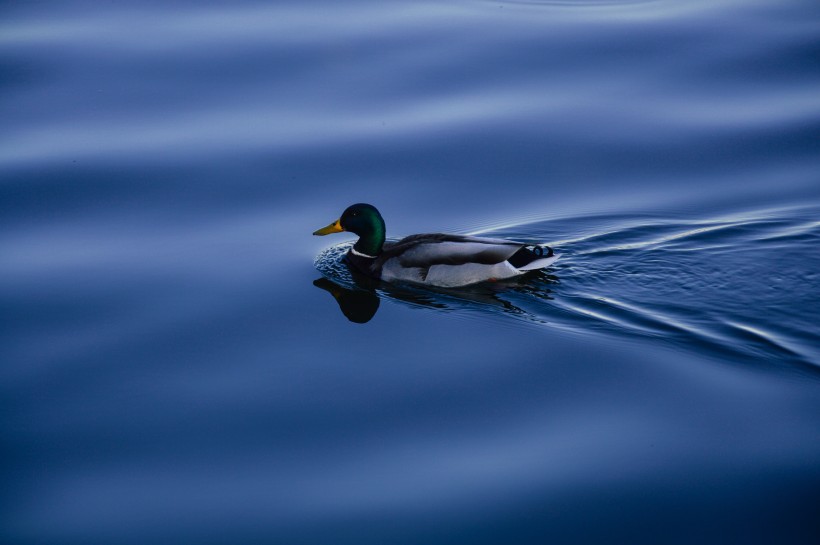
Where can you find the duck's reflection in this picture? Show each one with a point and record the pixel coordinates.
(358, 305)
(359, 302)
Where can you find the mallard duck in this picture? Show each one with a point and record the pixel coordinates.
(433, 259)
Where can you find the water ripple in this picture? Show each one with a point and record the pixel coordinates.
(696, 283)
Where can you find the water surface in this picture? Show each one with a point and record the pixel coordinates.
(184, 363)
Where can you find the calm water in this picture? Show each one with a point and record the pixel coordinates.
(182, 362)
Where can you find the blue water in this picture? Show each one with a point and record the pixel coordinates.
(182, 362)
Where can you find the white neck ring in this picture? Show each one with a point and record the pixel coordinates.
(354, 252)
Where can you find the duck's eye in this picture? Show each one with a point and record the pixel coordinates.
(355, 214)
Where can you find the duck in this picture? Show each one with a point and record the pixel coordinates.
(433, 259)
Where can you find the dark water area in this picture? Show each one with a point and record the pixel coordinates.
(182, 362)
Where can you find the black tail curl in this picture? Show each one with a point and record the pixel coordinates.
(528, 254)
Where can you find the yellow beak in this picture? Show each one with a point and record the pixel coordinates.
(334, 227)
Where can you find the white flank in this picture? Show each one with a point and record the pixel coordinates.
(448, 276)
(451, 276)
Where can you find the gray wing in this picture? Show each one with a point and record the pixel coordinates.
(440, 249)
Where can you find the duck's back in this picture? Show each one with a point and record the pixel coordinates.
(442, 249)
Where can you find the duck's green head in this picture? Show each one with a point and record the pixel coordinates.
(363, 220)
